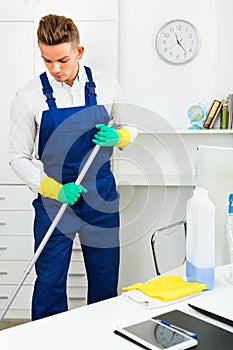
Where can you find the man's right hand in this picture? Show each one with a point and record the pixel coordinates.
(68, 193)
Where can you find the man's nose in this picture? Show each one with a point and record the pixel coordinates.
(56, 67)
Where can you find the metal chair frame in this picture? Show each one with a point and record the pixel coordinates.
(157, 233)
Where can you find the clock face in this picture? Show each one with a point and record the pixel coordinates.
(178, 42)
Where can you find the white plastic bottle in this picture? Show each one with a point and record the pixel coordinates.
(229, 236)
(200, 248)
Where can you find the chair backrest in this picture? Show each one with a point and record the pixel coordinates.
(214, 171)
(169, 247)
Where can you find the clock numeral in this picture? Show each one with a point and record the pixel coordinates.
(190, 35)
(172, 29)
(192, 42)
(166, 35)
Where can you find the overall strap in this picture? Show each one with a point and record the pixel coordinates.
(90, 95)
(48, 91)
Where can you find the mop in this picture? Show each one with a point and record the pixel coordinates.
(50, 231)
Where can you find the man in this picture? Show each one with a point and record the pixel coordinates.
(56, 116)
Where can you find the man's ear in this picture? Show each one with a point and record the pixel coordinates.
(80, 51)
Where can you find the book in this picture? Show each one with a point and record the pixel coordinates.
(213, 114)
(224, 116)
(230, 107)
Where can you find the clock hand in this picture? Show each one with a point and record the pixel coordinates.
(178, 42)
(183, 48)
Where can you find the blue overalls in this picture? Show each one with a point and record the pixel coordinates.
(65, 141)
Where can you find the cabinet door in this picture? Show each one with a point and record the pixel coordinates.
(15, 198)
(17, 67)
(22, 300)
(80, 10)
(12, 271)
(16, 223)
(16, 247)
(20, 10)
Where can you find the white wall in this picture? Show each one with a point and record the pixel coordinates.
(171, 90)
(168, 90)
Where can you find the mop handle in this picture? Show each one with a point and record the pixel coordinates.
(51, 229)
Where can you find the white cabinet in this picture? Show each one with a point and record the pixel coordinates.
(79, 10)
(17, 67)
(20, 10)
(16, 247)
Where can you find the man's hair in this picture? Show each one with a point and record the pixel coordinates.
(54, 30)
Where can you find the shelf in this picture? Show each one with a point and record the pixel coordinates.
(187, 131)
(155, 180)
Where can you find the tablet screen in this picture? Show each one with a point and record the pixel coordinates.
(156, 334)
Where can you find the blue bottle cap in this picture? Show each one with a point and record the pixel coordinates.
(230, 208)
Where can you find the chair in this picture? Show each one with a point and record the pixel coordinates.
(169, 248)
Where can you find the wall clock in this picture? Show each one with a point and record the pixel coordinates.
(177, 42)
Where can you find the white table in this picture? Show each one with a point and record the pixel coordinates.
(90, 327)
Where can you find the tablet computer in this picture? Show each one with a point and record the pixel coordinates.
(153, 335)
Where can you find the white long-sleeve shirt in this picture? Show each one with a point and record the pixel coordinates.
(26, 113)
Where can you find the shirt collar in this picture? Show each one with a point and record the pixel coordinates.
(80, 77)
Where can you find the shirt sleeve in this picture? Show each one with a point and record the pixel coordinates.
(23, 130)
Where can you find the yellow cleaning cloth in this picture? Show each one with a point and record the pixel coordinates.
(167, 288)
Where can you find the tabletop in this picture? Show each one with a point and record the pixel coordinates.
(92, 326)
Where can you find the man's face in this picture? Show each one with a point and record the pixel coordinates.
(61, 60)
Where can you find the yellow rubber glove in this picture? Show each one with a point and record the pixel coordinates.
(125, 138)
(68, 193)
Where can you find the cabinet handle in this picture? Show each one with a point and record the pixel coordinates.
(2, 297)
(79, 274)
(2, 223)
(3, 248)
(3, 273)
(2, 198)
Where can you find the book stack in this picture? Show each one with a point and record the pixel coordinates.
(222, 110)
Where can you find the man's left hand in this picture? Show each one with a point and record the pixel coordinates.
(106, 136)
